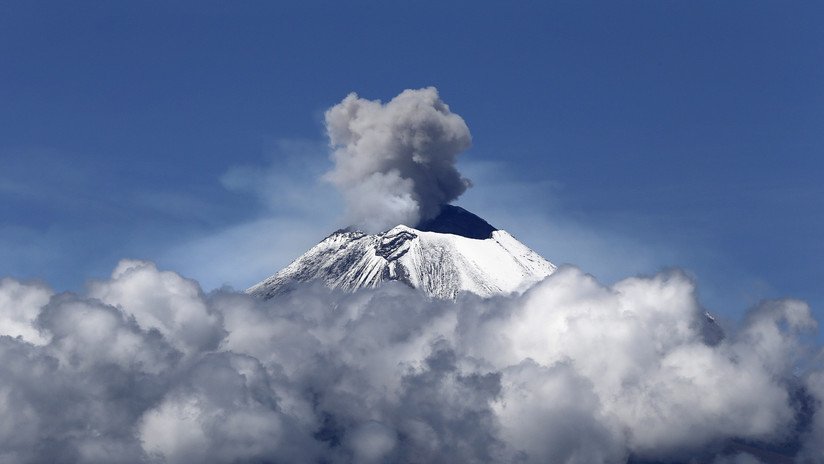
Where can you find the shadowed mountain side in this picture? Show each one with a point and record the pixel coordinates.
(458, 221)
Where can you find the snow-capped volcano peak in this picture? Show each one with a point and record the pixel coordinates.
(455, 252)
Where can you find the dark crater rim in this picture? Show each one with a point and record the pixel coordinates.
(458, 221)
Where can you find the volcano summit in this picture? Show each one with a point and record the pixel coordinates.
(455, 252)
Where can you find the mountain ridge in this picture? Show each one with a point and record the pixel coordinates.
(452, 253)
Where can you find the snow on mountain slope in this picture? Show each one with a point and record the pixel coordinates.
(456, 252)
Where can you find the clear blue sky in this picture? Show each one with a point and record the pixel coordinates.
(624, 137)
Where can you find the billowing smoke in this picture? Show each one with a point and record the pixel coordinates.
(395, 162)
(147, 368)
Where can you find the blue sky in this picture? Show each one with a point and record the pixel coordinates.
(624, 137)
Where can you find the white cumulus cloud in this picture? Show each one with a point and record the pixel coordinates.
(147, 368)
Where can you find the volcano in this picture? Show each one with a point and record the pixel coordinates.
(453, 253)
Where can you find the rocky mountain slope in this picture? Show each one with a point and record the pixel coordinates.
(453, 253)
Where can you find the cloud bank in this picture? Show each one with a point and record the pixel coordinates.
(147, 368)
(395, 162)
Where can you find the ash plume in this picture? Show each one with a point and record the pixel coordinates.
(395, 162)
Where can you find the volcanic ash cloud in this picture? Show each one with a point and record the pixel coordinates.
(395, 162)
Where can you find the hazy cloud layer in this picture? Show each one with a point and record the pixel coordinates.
(297, 208)
(395, 162)
(146, 368)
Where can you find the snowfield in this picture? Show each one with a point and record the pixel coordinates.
(441, 264)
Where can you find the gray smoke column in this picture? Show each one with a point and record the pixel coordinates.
(395, 162)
